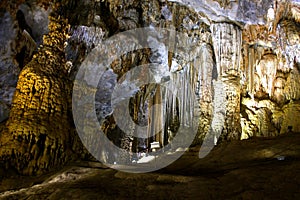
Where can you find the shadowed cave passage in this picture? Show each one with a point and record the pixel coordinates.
(153, 115)
(142, 116)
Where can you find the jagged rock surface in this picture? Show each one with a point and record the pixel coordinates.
(39, 135)
(17, 46)
(242, 65)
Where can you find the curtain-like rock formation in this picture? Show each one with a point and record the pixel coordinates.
(270, 70)
(242, 63)
(227, 48)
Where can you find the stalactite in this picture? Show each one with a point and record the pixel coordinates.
(159, 57)
(227, 47)
(90, 36)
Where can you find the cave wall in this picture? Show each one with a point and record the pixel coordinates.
(270, 104)
(22, 30)
(244, 55)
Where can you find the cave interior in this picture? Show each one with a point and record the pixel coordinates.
(152, 99)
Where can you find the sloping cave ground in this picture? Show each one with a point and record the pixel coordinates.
(250, 169)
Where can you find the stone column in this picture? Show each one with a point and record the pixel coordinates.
(226, 88)
(39, 134)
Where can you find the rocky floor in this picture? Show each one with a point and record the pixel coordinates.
(250, 169)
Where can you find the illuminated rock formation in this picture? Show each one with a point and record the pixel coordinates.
(242, 63)
(39, 134)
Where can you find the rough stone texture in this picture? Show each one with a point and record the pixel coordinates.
(39, 135)
(9, 70)
(227, 49)
(270, 71)
(242, 64)
(17, 46)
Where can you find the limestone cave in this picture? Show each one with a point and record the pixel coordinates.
(149, 99)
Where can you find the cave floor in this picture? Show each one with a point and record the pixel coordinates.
(249, 169)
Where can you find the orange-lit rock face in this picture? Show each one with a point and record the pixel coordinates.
(38, 130)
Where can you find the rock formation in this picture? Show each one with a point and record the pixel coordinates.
(39, 134)
(242, 65)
